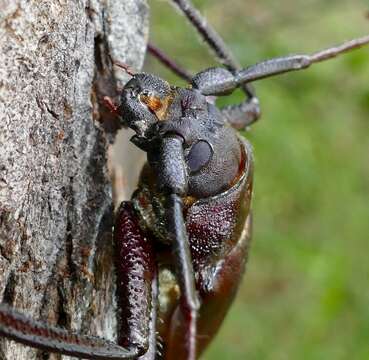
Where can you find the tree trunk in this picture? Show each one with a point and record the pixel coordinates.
(56, 206)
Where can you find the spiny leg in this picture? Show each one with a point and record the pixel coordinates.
(239, 116)
(154, 346)
(136, 283)
(219, 81)
(137, 297)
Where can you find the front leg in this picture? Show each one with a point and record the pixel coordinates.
(241, 115)
(136, 274)
(171, 170)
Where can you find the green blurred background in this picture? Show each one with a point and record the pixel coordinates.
(306, 291)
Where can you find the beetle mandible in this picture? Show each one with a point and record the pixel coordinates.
(182, 240)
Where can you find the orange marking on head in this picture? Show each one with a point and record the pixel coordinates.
(158, 106)
(153, 102)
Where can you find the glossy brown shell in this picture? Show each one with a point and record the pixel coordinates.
(219, 230)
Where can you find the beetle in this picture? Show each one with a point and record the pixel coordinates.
(182, 240)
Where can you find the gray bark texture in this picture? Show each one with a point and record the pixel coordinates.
(56, 206)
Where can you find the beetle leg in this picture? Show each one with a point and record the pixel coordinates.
(152, 351)
(136, 294)
(241, 115)
(244, 114)
(217, 289)
(189, 302)
(219, 81)
(16, 326)
(213, 40)
(172, 179)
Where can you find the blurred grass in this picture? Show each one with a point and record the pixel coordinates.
(306, 291)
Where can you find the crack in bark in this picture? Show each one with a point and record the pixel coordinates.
(69, 240)
(51, 112)
(9, 292)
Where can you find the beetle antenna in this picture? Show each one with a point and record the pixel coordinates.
(340, 49)
(168, 62)
(212, 39)
(125, 67)
(16, 326)
(285, 64)
(108, 102)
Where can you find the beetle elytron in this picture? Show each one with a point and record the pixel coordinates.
(182, 240)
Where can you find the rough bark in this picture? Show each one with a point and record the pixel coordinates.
(55, 193)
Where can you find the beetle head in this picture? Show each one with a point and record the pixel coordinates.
(144, 101)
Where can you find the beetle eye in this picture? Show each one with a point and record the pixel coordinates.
(199, 156)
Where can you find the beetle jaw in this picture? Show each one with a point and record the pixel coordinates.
(144, 101)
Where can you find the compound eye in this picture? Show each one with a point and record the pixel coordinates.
(199, 156)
